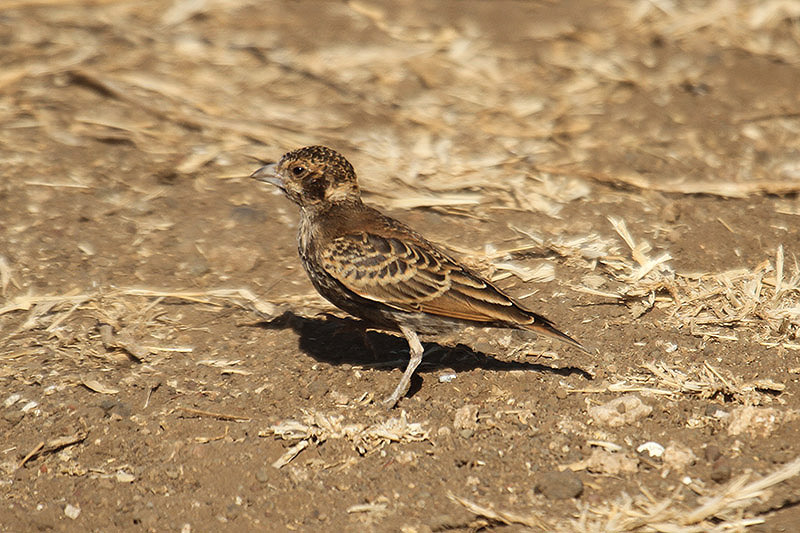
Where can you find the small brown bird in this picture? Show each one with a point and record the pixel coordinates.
(379, 269)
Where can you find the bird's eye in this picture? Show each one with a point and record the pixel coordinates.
(298, 170)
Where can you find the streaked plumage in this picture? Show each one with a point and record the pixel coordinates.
(379, 269)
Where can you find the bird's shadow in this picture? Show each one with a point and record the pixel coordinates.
(339, 341)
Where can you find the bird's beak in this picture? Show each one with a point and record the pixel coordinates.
(268, 174)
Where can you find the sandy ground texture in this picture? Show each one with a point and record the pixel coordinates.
(628, 169)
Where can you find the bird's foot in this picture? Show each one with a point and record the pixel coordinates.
(414, 360)
(402, 388)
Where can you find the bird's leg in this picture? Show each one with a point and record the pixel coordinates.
(368, 344)
(415, 358)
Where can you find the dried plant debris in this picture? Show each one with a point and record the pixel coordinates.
(758, 422)
(718, 512)
(499, 516)
(113, 326)
(366, 438)
(704, 381)
(620, 411)
(712, 304)
(468, 79)
(129, 129)
(764, 300)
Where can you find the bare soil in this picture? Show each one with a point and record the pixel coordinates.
(628, 169)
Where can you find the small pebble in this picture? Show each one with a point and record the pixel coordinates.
(715, 411)
(653, 449)
(11, 400)
(721, 470)
(124, 477)
(712, 453)
(147, 517)
(338, 397)
(559, 485)
(13, 417)
(447, 378)
(71, 511)
(232, 512)
(318, 388)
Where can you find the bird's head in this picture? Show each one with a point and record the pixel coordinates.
(312, 177)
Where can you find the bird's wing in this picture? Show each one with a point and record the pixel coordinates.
(416, 277)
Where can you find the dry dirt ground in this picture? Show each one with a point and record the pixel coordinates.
(628, 169)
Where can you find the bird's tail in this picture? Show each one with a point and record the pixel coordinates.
(543, 326)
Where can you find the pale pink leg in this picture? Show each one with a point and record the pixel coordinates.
(415, 358)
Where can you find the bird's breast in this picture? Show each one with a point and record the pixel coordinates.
(305, 238)
(307, 248)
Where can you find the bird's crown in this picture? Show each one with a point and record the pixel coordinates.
(336, 166)
(318, 175)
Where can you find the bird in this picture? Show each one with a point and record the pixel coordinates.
(380, 270)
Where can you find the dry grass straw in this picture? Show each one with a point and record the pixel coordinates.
(53, 445)
(366, 438)
(717, 513)
(708, 304)
(50, 310)
(129, 321)
(499, 516)
(764, 299)
(418, 146)
(724, 189)
(705, 381)
(723, 511)
(6, 276)
(421, 155)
